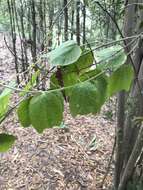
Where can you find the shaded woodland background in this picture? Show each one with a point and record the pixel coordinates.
(42, 25)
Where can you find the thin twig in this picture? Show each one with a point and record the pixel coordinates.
(109, 164)
(10, 50)
(10, 111)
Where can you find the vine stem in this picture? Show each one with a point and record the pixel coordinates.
(109, 164)
(10, 111)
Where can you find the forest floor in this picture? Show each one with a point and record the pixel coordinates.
(72, 158)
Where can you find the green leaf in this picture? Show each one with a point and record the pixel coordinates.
(4, 101)
(66, 54)
(94, 74)
(82, 64)
(23, 113)
(46, 110)
(54, 82)
(121, 79)
(31, 83)
(69, 79)
(101, 84)
(107, 53)
(114, 62)
(111, 58)
(84, 99)
(71, 73)
(85, 60)
(6, 142)
(100, 81)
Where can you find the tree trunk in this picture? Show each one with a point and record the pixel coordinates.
(78, 21)
(65, 20)
(34, 32)
(119, 138)
(130, 133)
(13, 34)
(84, 23)
(72, 22)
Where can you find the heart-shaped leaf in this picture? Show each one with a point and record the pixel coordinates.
(84, 99)
(121, 79)
(46, 110)
(23, 113)
(4, 101)
(6, 142)
(65, 54)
